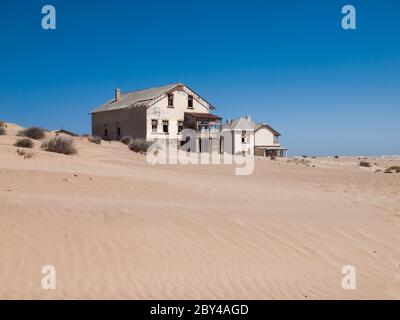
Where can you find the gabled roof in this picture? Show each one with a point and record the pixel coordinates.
(65, 132)
(239, 124)
(264, 125)
(143, 98)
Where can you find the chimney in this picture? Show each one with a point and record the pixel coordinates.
(117, 94)
(248, 118)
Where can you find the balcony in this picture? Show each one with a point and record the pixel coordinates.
(203, 123)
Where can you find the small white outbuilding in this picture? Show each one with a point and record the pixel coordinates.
(266, 142)
(243, 136)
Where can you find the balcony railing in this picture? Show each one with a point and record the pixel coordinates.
(207, 127)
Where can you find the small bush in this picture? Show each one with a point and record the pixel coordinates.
(336, 157)
(305, 157)
(33, 133)
(304, 162)
(23, 153)
(24, 143)
(298, 161)
(3, 124)
(139, 145)
(94, 139)
(126, 140)
(2, 131)
(365, 164)
(59, 144)
(394, 169)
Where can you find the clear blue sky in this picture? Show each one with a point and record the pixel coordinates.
(287, 63)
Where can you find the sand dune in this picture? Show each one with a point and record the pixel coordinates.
(116, 227)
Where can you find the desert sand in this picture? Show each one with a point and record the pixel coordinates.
(116, 227)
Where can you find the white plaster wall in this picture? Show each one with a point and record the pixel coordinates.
(264, 137)
(160, 111)
(239, 146)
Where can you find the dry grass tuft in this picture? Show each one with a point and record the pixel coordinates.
(126, 140)
(298, 161)
(394, 169)
(59, 144)
(33, 133)
(25, 154)
(139, 145)
(94, 139)
(365, 164)
(24, 143)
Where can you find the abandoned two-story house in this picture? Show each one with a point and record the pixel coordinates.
(154, 114)
(162, 113)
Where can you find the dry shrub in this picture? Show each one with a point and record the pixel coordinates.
(298, 161)
(394, 169)
(59, 144)
(126, 140)
(3, 124)
(24, 143)
(94, 139)
(139, 145)
(33, 133)
(25, 154)
(365, 164)
(2, 131)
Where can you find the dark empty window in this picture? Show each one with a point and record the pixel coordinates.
(180, 126)
(154, 124)
(170, 100)
(190, 102)
(244, 136)
(165, 126)
(105, 130)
